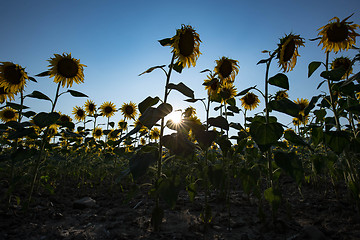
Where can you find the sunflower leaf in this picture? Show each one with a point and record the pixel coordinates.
(76, 93)
(32, 79)
(263, 61)
(320, 84)
(234, 109)
(165, 42)
(43, 74)
(44, 119)
(219, 121)
(280, 80)
(178, 66)
(16, 106)
(285, 106)
(29, 114)
(147, 102)
(38, 95)
(151, 69)
(335, 74)
(266, 133)
(312, 67)
(151, 115)
(243, 92)
(206, 70)
(311, 105)
(181, 87)
(192, 100)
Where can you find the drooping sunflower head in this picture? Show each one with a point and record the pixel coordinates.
(212, 85)
(122, 124)
(226, 69)
(97, 133)
(281, 94)
(8, 114)
(302, 103)
(53, 130)
(6, 95)
(64, 118)
(129, 110)
(287, 51)
(12, 77)
(154, 134)
(79, 113)
(337, 36)
(66, 69)
(250, 101)
(108, 109)
(90, 107)
(343, 62)
(185, 45)
(227, 91)
(189, 112)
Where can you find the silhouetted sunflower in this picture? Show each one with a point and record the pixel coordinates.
(281, 94)
(53, 130)
(79, 113)
(64, 118)
(66, 69)
(337, 36)
(227, 91)
(12, 77)
(302, 103)
(97, 133)
(154, 134)
(343, 62)
(129, 110)
(108, 109)
(212, 85)
(189, 112)
(90, 107)
(112, 135)
(6, 95)
(8, 114)
(226, 69)
(301, 120)
(185, 45)
(288, 51)
(250, 101)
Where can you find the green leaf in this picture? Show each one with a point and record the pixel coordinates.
(140, 162)
(291, 164)
(285, 106)
(38, 95)
(280, 80)
(224, 143)
(320, 115)
(32, 79)
(234, 109)
(19, 133)
(169, 190)
(337, 141)
(151, 115)
(165, 42)
(147, 102)
(219, 121)
(292, 137)
(43, 74)
(205, 138)
(334, 75)
(322, 82)
(311, 105)
(194, 100)
(236, 126)
(181, 87)
(273, 196)
(178, 66)
(231, 102)
(312, 67)
(316, 135)
(76, 93)
(243, 92)
(266, 133)
(151, 69)
(29, 114)
(217, 176)
(16, 106)
(43, 119)
(178, 144)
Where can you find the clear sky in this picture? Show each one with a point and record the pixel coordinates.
(118, 40)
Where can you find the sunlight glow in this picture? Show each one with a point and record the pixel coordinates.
(175, 117)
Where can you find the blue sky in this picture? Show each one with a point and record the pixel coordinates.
(117, 40)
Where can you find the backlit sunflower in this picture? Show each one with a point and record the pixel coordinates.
(12, 77)
(189, 112)
(281, 94)
(8, 114)
(212, 85)
(337, 36)
(6, 95)
(53, 130)
(343, 62)
(287, 52)
(129, 110)
(90, 107)
(64, 118)
(142, 141)
(154, 134)
(66, 69)
(250, 101)
(79, 113)
(97, 133)
(227, 91)
(122, 124)
(301, 120)
(112, 135)
(226, 69)
(302, 103)
(185, 45)
(108, 109)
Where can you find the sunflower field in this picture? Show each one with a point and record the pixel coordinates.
(185, 177)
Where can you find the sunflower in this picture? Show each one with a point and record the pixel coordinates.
(8, 114)
(129, 110)
(122, 124)
(185, 45)
(66, 69)
(343, 62)
(189, 112)
(79, 113)
(212, 85)
(357, 95)
(64, 118)
(302, 103)
(108, 109)
(337, 36)
(5, 94)
(12, 77)
(90, 107)
(142, 141)
(97, 133)
(154, 134)
(250, 101)
(112, 135)
(281, 94)
(227, 91)
(226, 69)
(53, 130)
(301, 119)
(287, 52)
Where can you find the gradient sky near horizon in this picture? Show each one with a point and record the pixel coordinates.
(118, 40)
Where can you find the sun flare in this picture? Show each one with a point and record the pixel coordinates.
(175, 117)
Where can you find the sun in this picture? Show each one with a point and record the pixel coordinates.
(175, 117)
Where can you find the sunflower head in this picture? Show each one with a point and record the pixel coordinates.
(226, 69)
(142, 141)
(227, 91)
(154, 134)
(287, 51)
(281, 94)
(129, 110)
(113, 135)
(343, 62)
(302, 103)
(338, 35)
(250, 101)
(90, 107)
(6, 95)
(185, 45)
(53, 130)
(12, 77)
(97, 133)
(212, 85)
(66, 69)
(189, 112)
(64, 118)
(108, 109)
(8, 114)
(301, 119)
(79, 113)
